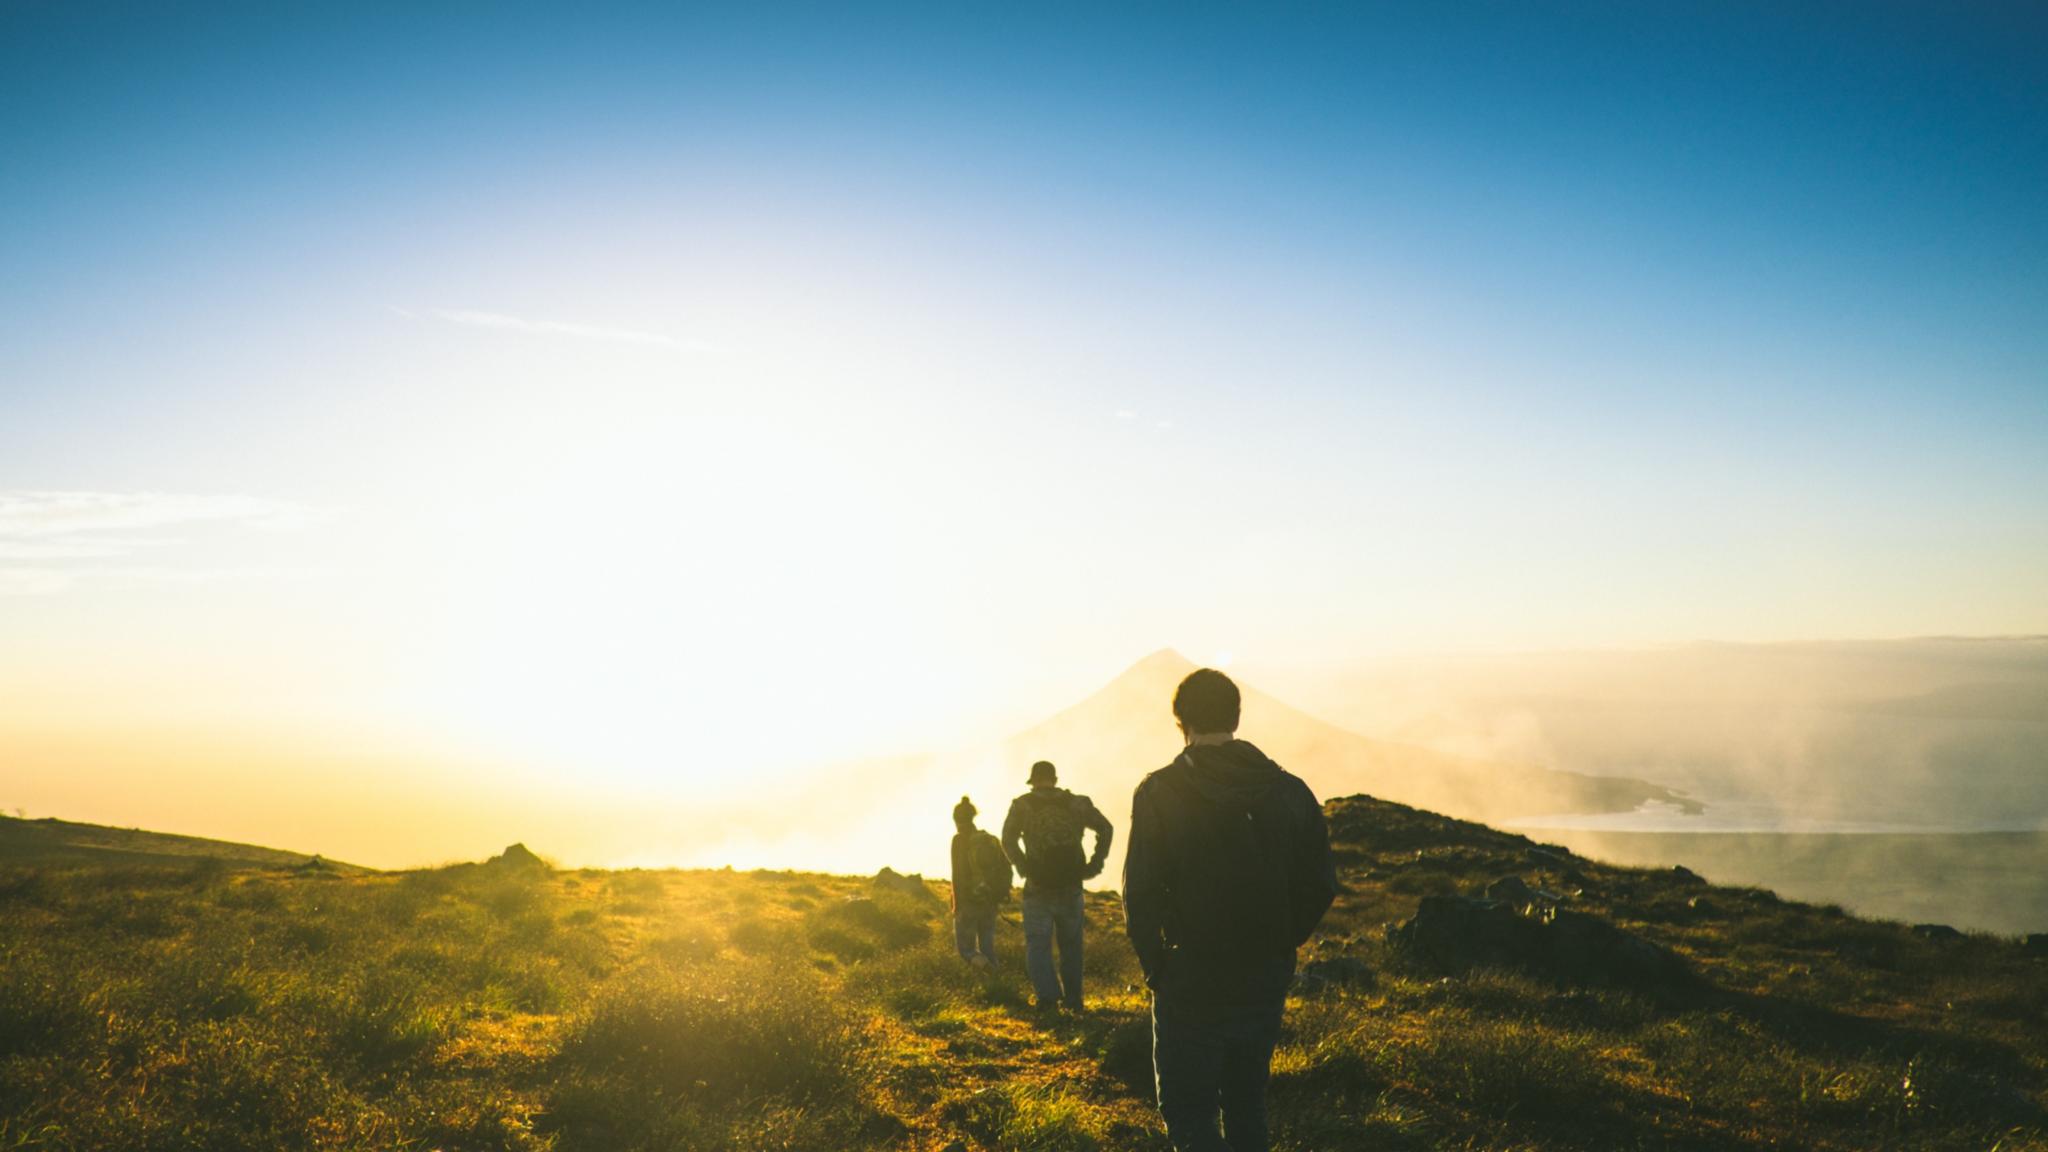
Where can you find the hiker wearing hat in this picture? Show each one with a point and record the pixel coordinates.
(1042, 835)
(1228, 872)
(981, 884)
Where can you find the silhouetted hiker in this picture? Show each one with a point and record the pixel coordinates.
(1227, 873)
(981, 884)
(1049, 820)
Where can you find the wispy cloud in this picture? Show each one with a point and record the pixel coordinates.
(50, 540)
(504, 323)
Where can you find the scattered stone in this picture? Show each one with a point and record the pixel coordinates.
(1686, 876)
(1936, 932)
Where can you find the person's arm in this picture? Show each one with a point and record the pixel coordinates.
(1104, 835)
(1315, 871)
(1013, 843)
(960, 869)
(1145, 888)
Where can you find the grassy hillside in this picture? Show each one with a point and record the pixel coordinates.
(49, 841)
(509, 1006)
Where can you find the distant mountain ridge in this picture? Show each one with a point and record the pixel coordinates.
(1107, 742)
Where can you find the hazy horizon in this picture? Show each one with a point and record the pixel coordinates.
(1746, 745)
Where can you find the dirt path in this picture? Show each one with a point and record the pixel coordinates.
(985, 1071)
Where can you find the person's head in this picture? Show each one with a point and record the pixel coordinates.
(1206, 704)
(1044, 775)
(964, 813)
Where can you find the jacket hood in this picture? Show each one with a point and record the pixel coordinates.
(1235, 772)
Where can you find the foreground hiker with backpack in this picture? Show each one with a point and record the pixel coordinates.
(1042, 835)
(1227, 873)
(981, 885)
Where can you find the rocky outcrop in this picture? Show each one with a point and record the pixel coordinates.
(518, 858)
(1456, 933)
(890, 880)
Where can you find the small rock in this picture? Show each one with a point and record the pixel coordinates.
(2036, 944)
(1510, 890)
(1687, 876)
(1936, 932)
(1347, 970)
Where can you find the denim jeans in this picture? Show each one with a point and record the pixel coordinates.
(1209, 1057)
(974, 932)
(1048, 919)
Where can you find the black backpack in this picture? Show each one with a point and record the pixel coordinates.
(1236, 858)
(1051, 828)
(990, 868)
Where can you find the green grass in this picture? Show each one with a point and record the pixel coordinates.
(196, 1005)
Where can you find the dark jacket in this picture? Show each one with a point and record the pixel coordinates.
(1057, 869)
(1228, 871)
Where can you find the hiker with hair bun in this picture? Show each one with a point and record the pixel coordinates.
(981, 884)
(1043, 835)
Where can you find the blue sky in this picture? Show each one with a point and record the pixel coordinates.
(1014, 344)
(1827, 204)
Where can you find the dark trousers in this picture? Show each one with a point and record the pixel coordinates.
(1209, 1058)
(1049, 918)
(974, 931)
